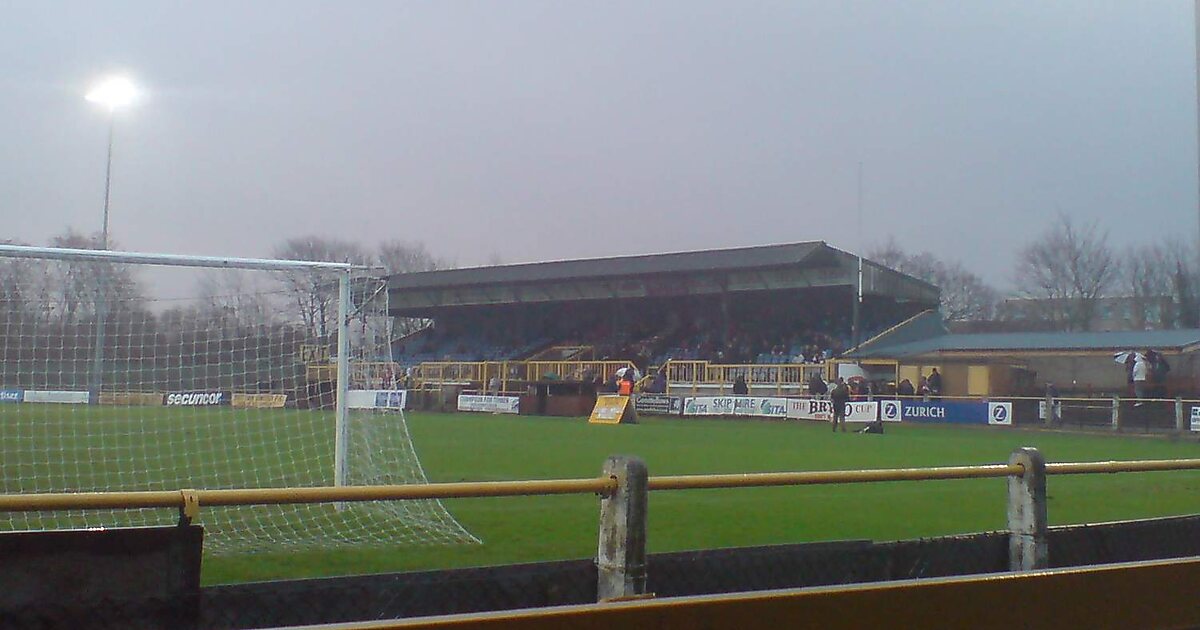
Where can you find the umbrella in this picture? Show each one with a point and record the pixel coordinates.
(1122, 357)
(621, 371)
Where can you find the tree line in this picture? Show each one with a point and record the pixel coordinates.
(50, 309)
(1068, 278)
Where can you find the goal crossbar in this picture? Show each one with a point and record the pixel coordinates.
(174, 260)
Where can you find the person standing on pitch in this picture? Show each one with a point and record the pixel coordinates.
(839, 397)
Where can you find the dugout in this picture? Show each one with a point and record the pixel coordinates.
(516, 312)
(1021, 363)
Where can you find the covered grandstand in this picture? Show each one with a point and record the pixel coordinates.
(702, 312)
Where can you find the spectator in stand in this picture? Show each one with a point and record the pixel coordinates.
(1141, 376)
(923, 387)
(905, 388)
(1158, 373)
(817, 386)
(935, 383)
(494, 386)
(625, 386)
(660, 381)
(740, 388)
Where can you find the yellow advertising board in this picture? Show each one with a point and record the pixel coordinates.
(131, 398)
(259, 401)
(613, 410)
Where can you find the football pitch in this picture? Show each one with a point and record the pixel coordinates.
(475, 447)
(482, 447)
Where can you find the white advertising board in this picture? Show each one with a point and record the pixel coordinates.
(759, 406)
(819, 409)
(1000, 413)
(492, 404)
(67, 398)
(376, 398)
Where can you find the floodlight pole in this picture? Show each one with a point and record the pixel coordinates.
(97, 380)
(112, 123)
(855, 332)
(1196, 41)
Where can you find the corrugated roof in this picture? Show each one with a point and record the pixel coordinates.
(615, 267)
(1114, 340)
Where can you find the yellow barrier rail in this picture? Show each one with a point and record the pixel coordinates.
(706, 373)
(281, 496)
(467, 372)
(602, 486)
(749, 480)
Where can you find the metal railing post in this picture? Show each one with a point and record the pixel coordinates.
(1116, 413)
(1027, 518)
(1180, 427)
(621, 557)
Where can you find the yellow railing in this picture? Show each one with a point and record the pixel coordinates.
(482, 372)
(565, 353)
(781, 375)
(573, 370)
(603, 486)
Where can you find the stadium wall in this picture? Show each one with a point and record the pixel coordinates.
(701, 572)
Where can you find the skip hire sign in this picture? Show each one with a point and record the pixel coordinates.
(765, 407)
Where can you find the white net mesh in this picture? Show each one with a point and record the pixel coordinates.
(127, 377)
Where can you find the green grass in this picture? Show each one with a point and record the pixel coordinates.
(478, 447)
(485, 447)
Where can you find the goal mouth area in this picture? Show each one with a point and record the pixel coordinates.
(125, 372)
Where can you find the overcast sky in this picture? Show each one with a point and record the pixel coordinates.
(547, 130)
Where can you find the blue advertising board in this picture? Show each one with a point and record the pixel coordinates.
(948, 411)
(11, 395)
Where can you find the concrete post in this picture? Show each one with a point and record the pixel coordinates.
(1049, 419)
(621, 558)
(1116, 413)
(1181, 425)
(1027, 520)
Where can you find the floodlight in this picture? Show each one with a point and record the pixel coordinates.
(113, 92)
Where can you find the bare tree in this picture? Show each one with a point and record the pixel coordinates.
(404, 257)
(314, 294)
(75, 288)
(397, 257)
(22, 291)
(239, 299)
(1148, 278)
(964, 295)
(1065, 272)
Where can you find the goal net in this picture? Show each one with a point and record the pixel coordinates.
(124, 372)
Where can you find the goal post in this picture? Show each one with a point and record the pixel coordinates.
(133, 371)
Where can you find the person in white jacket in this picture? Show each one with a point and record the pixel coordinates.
(1141, 375)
